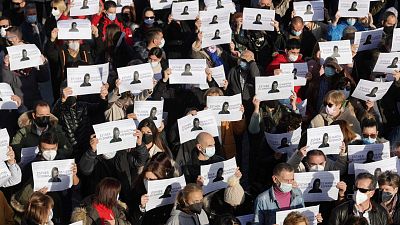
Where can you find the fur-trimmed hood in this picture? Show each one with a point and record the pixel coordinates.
(26, 119)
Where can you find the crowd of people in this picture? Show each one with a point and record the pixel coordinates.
(110, 188)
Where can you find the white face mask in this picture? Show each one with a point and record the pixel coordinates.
(209, 151)
(49, 154)
(285, 187)
(331, 110)
(293, 58)
(3, 31)
(109, 155)
(360, 197)
(317, 168)
(162, 43)
(56, 13)
(74, 46)
(154, 64)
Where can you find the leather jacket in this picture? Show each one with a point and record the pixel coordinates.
(377, 215)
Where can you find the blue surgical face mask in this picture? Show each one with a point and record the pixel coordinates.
(244, 65)
(209, 151)
(111, 16)
(297, 33)
(329, 71)
(31, 19)
(351, 21)
(149, 21)
(369, 140)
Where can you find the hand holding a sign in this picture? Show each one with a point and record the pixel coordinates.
(319, 218)
(302, 152)
(342, 186)
(336, 19)
(16, 99)
(6, 62)
(275, 24)
(104, 91)
(396, 75)
(144, 199)
(200, 181)
(43, 190)
(225, 85)
(293, 100)
(74, 170)
(369, 104)
(139, 137)
(132, 116)
(256, 103)
(209, 74)
(11, 156)
(167, 73)
(93, 142)
(95, 31)
(66, 92)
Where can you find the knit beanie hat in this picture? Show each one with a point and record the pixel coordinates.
(234, 193)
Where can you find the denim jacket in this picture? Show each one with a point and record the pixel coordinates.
(266, 206)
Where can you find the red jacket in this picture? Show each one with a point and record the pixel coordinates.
(275, 64)
(101, 22)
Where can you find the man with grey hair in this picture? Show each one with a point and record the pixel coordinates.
(361, 205)
(32, 28)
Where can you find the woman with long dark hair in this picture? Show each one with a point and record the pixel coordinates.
(153, 137)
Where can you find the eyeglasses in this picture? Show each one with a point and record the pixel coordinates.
(362, 190)
(149, 17)
(369, 135)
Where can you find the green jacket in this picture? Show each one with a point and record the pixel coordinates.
(27, 136)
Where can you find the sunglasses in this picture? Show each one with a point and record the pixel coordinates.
(329, 105)
(17, 3)
(369, 135)
(4, 26)
(362, 190)
(347, 88)
(149, 17)
(55, 8)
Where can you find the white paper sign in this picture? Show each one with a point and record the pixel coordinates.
(309, 212)
(75, 29)
(396, 40)
(187, 10)
(161, 4)
(367, 154)
(258, 19)
(149, 109)
(5, 173)
(341, 50)
(220, 4)
(214, 17)
(217, 174)
(122, 3)
(4, 143)
(284, 143)
(216, 35)
(297, 70)
(378, 167)
(5, 97)
(310, 10)
(56, 175)
(104, 70)
(28, 155)
(353, 8)
(163, 192)
(274, 87)
(327, 139)
(226, 108)
(190, 126)
(187, 71)
(84, 7)
(367, 40)
(318, 186)
(371, 90)
(218, 73)
(387, 62)
(84, 80)
(24, 56)
(135, 78)
(115, 135)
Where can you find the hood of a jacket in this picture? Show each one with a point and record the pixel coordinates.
(26, 119)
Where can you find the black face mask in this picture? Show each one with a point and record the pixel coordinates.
(196, 207)
(42, 121)
(70, 101)
(125, 17)
(147, 138)
(388, 30)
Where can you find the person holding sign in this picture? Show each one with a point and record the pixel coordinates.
(361, 204)
(289, 197)
(14, 169)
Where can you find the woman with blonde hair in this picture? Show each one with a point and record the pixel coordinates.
(39, 209)
(335, 109)
(296, 218)
(59, 11)
(188, 208)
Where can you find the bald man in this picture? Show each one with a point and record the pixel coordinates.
(307, 39)
(202, 154)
